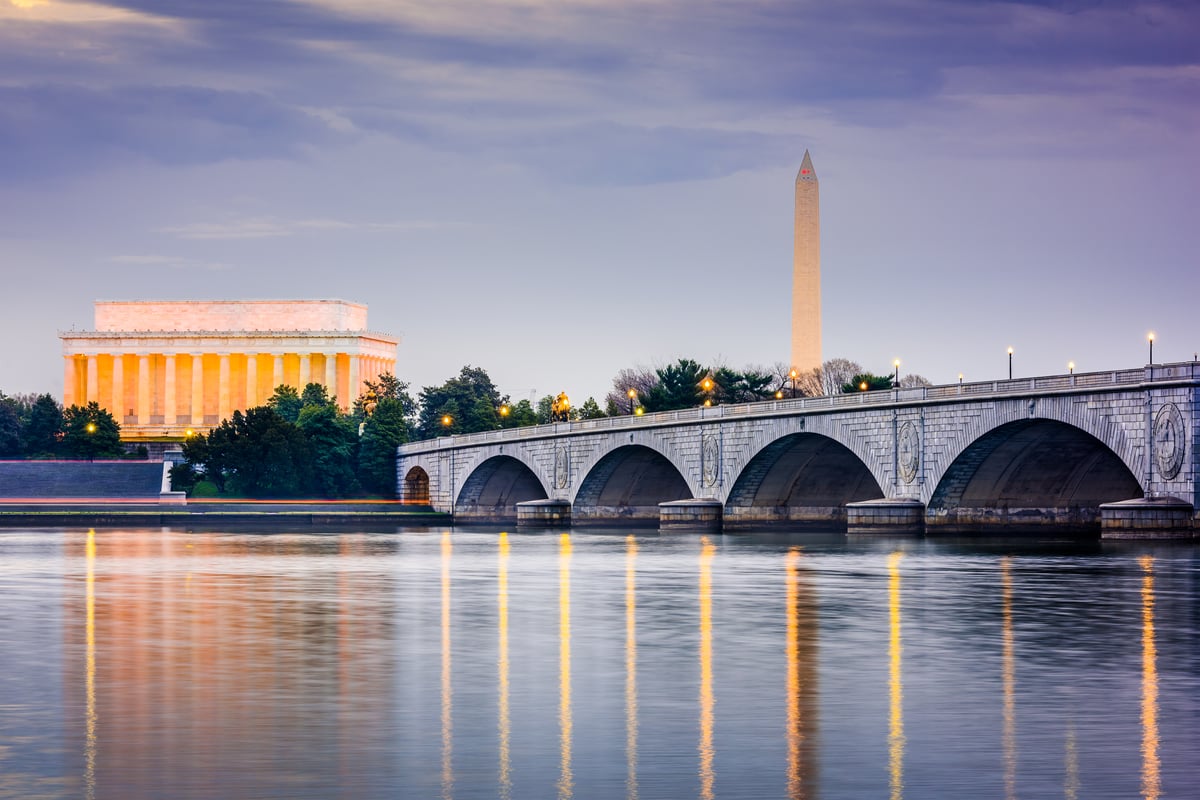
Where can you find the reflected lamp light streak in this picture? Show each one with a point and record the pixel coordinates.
(1008, 680)
(794, 735)
(707, 775)
(505, 777)
(566, 779)
(631, 697)
(1151, 782)
(447, 687)
(895, 684)
(1071, 785)
(89, 778)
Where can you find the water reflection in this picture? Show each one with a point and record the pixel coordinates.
(1071, 786)
(566, 780)
(90, 668)
(1150, 763)
(1008, 680)
(447, 685)
(895, 685)
(707, 551)
(505, 728)
(802, 670)
(631, 699)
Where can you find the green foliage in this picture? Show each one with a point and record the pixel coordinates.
(332, 442)
(678, 387)
(286, 402)
(590, 410)
(91, 432)
(314, 394)
(184, 477)
(730, 386)
(470, 399)
(545, 410)
(520, 415)
(255, 454)
(205, 489)
(43, 427)
(10, 427)
(387, 386)
(385, 430)
(872, 382)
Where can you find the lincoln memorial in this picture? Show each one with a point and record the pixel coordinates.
(165, 367)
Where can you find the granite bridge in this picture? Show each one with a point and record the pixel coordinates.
(1111, 452)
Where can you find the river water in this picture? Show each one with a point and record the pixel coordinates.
(431, 663)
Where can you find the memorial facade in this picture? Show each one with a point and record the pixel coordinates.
(163, 368)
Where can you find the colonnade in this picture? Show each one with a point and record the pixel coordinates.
(158, 392)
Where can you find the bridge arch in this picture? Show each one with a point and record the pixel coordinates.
(494, 486)
(415, 489)
(800, 478)
(1032, 472)
(627, 483)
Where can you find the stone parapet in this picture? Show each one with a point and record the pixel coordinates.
(1148, 518)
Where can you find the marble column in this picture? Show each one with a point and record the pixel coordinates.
(224, 407)
(197, 388)
(69, 381)
(251, 380)
(331, 373)
(277, 375)
(355, 381)
(118, 388)
(170, 408)
(143, 390)
(93, 379)
(305, 370)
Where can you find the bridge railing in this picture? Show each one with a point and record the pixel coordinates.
(883, 397)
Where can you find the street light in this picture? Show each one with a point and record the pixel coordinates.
(707, 385)
(1150, 338)
(504, 409)
(1070, 367)
(862, 387)
(793, 375)
(896, 364)
(632, 399)
(779, 394)
(960, 379)
(1010, 351)
(639, 411)
(447, 421)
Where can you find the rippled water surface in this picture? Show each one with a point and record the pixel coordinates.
(483, 664)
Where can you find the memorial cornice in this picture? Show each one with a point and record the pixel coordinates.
(270, 334)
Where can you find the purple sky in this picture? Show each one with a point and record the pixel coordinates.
(556, 190)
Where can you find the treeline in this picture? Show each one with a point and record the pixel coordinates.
(37, 426)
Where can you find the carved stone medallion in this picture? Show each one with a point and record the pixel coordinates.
(562, 468)
(710, 457)
(908, 446)
(1169, 441)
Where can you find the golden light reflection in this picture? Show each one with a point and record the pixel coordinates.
(895, 685)
(1071, 786)
(794, 734)
(1008, 678)
(707, 550)
(802, 701)
(631, 699)
(502, 666)
(447, 687)
(566, 780)
(89, 778)
(1151, 784)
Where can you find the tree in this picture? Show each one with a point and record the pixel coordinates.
(388, 385)
(837, 372)
(10, 427)
(91, 432)
(590, 410)
(912, 381)
(731, 386)
(286, 402)
(678, 387)
(314, 394)
(43, 428)
(640, 379)
(470, 399)
(872, 382)
(332, 442)
(256, 454)
(520, 415)
(384, 430)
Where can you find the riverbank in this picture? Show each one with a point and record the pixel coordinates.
(138, 512)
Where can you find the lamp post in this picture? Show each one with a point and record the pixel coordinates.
(960, 379)
(862, 387)
(779, 394)
(1070, 367)
(793, 375)
(632, 399)
(1150, 338)
(447, 421)
(504, 409)
(896, 365)
(91, 429)
(1010, 352)
(707, 386)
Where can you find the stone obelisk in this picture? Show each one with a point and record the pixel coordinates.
(806, 272)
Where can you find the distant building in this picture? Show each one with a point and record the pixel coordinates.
(806, 271)
(164, 367)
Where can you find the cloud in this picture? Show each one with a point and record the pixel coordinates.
(61, 129)
(274, 227)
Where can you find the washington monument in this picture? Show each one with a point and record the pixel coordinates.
(806, 272)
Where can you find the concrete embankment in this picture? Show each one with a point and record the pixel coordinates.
(214, 514)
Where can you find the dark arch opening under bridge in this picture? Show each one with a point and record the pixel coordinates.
(493, 489)
(626, 486)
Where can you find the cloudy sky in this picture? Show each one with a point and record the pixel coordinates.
(556, 190)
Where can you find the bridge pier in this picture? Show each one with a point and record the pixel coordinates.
(886, 516)
(1148, 518)
(701, 512)
(544, 513)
